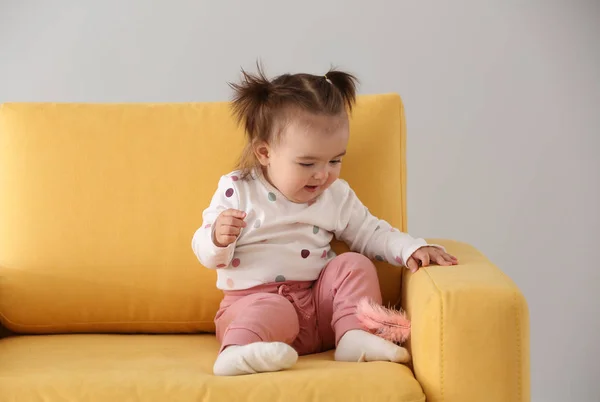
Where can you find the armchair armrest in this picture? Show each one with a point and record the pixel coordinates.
(470, 330)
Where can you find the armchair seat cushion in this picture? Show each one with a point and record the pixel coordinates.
(179, 368)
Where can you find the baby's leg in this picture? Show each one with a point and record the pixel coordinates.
(255, 333)
(348, 278)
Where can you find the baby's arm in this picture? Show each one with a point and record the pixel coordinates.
(225, 201)
(373, 237)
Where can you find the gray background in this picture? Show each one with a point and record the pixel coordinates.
(502, 101)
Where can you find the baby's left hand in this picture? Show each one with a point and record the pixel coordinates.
(427, 255)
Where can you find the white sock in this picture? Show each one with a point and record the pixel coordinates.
(258, 357)
(360, 346)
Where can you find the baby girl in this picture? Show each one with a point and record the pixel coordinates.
(269, 225)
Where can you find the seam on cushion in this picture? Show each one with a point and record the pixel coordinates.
(519, 348)
(441, 334)
(5, 318)
(403, 164)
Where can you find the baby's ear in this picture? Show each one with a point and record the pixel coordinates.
(262, 152)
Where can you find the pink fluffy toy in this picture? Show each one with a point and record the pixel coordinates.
(387, 323)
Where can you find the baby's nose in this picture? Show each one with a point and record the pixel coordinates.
(320, 174)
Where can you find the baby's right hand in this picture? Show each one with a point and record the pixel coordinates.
(228, 227)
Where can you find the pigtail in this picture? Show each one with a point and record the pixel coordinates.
(252, 107)
(250, 103)
(345, 83)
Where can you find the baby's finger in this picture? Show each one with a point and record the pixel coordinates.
(440, 260)
(450, 258)
(412, 265)
(424, 257)
(230, 230)
(438, 256)
(225, 240)
(234, 213)
(231, 221)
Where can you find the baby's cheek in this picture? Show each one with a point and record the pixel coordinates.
(300, 179)
(333, 177)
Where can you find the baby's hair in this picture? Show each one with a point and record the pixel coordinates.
(260, 104)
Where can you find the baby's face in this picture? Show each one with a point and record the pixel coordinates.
(307, 157)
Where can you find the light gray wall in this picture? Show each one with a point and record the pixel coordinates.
(502, 99)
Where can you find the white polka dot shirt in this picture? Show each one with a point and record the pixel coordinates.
(287, 241)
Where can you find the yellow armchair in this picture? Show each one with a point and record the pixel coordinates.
(470, 330)
(98, 204)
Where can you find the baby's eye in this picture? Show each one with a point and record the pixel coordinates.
(306, 164)
(335, 162)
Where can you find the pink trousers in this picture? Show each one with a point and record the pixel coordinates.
(309, 316)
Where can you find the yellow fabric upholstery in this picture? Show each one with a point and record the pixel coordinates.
(98, 204)
(470, 330)
(86, 368)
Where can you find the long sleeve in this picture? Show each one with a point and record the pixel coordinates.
(373, 237)
(209, 255)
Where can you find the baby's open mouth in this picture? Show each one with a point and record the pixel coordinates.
(311, 188)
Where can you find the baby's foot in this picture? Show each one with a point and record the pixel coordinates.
(258, 357)
(359, 346)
